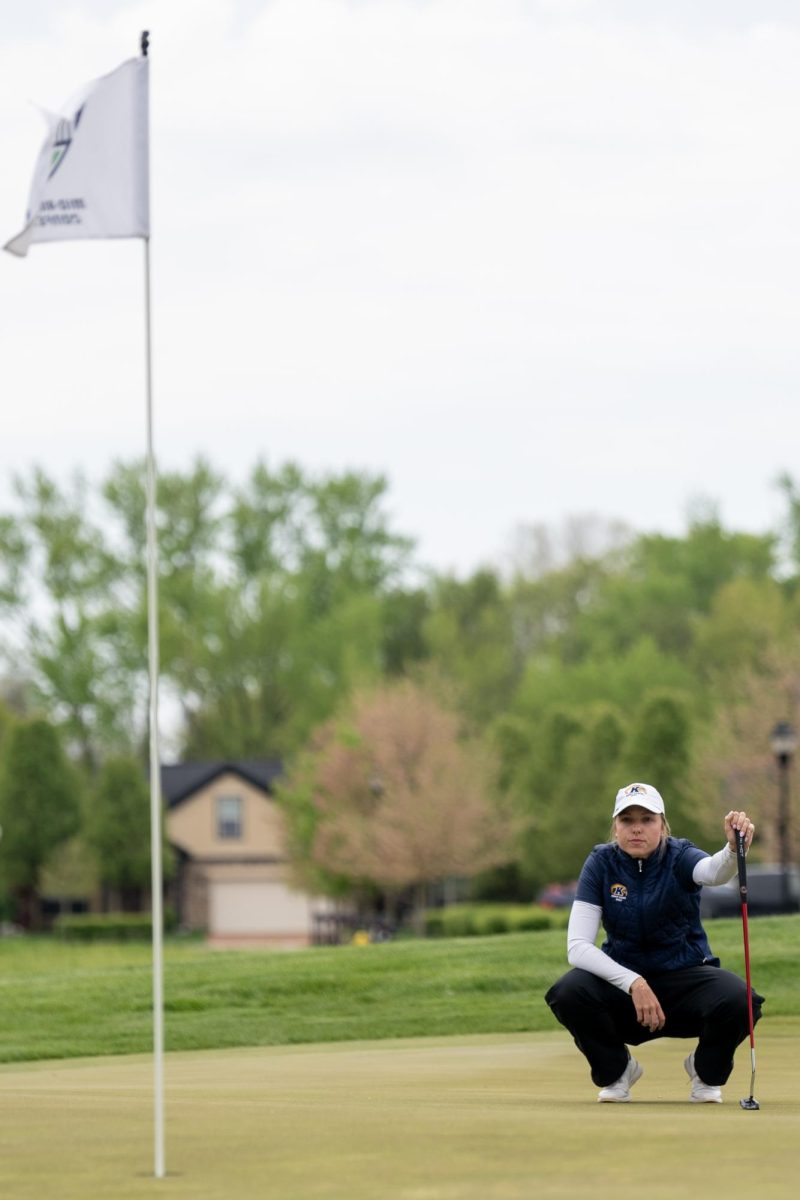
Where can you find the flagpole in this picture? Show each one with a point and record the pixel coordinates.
(103, 191)
(159, 1168)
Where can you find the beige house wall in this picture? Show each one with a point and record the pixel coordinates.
(192, 824)
(239, 890)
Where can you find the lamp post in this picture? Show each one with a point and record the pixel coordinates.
(784, 744)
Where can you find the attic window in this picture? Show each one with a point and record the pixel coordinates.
(229, 817)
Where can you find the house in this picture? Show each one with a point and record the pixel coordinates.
(232, 875)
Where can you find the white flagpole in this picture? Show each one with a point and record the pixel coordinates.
(155, 754)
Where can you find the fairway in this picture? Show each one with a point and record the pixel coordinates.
(489, 1117)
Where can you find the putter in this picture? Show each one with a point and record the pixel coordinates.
(750, 1102)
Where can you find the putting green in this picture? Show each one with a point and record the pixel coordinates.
(482, 1118)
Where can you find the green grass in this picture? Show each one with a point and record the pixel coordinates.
(494, 1117)
(503, 1110)
(65, 1000)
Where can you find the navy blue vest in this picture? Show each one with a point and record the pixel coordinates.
(651, 906)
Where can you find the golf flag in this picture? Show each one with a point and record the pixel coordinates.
(92, 181)
(91, 177)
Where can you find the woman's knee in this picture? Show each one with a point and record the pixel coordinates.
(732, 1000)
(556, 991)
(575, 991)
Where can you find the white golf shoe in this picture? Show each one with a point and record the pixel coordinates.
(702, 1093)
(620, 1092)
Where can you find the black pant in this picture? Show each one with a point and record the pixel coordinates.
(703, 1002)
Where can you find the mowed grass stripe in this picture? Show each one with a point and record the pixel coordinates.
(66, 1000)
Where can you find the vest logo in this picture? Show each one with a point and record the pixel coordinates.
(619, 892)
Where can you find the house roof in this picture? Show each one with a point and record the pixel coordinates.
(181, 780)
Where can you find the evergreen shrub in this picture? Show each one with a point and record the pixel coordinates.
(109, 927)
(484, 920)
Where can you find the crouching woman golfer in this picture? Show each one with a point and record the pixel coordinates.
(655, 975)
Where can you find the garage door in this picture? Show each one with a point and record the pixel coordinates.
(258, 908)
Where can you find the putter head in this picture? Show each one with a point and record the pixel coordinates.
(749, 1103)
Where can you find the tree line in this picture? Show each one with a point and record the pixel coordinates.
(406, 704)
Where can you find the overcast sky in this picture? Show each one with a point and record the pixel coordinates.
(527, 258)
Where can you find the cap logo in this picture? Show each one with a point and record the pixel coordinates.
(619, 892)
(635, 789)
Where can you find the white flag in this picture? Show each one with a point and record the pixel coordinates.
(92, 177)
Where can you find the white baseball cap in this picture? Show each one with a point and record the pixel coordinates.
(642, 794)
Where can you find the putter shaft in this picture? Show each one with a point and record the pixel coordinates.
(751, 1103)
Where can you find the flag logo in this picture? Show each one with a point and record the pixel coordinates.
(62, 140)
(101, 134)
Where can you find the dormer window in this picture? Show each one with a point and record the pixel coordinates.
(229, 817)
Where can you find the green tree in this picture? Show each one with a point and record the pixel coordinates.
(404, 613)
(576, 815)
(708, 556)
(659, 751)
(733, 765)
(117, 829)
(331, 530)
(13, 558)
(279, 612)
(69, 586)
(654, 587)
(275, 671)
(470, 636)
(39, 810)
(566, 782)
(789, 532)
(6, 721)
(600, 677)
(533, 760)
(546, 610)
(748, 620)
(272, 602)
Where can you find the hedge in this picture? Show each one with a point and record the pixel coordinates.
(482, 920)
(109, 927)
